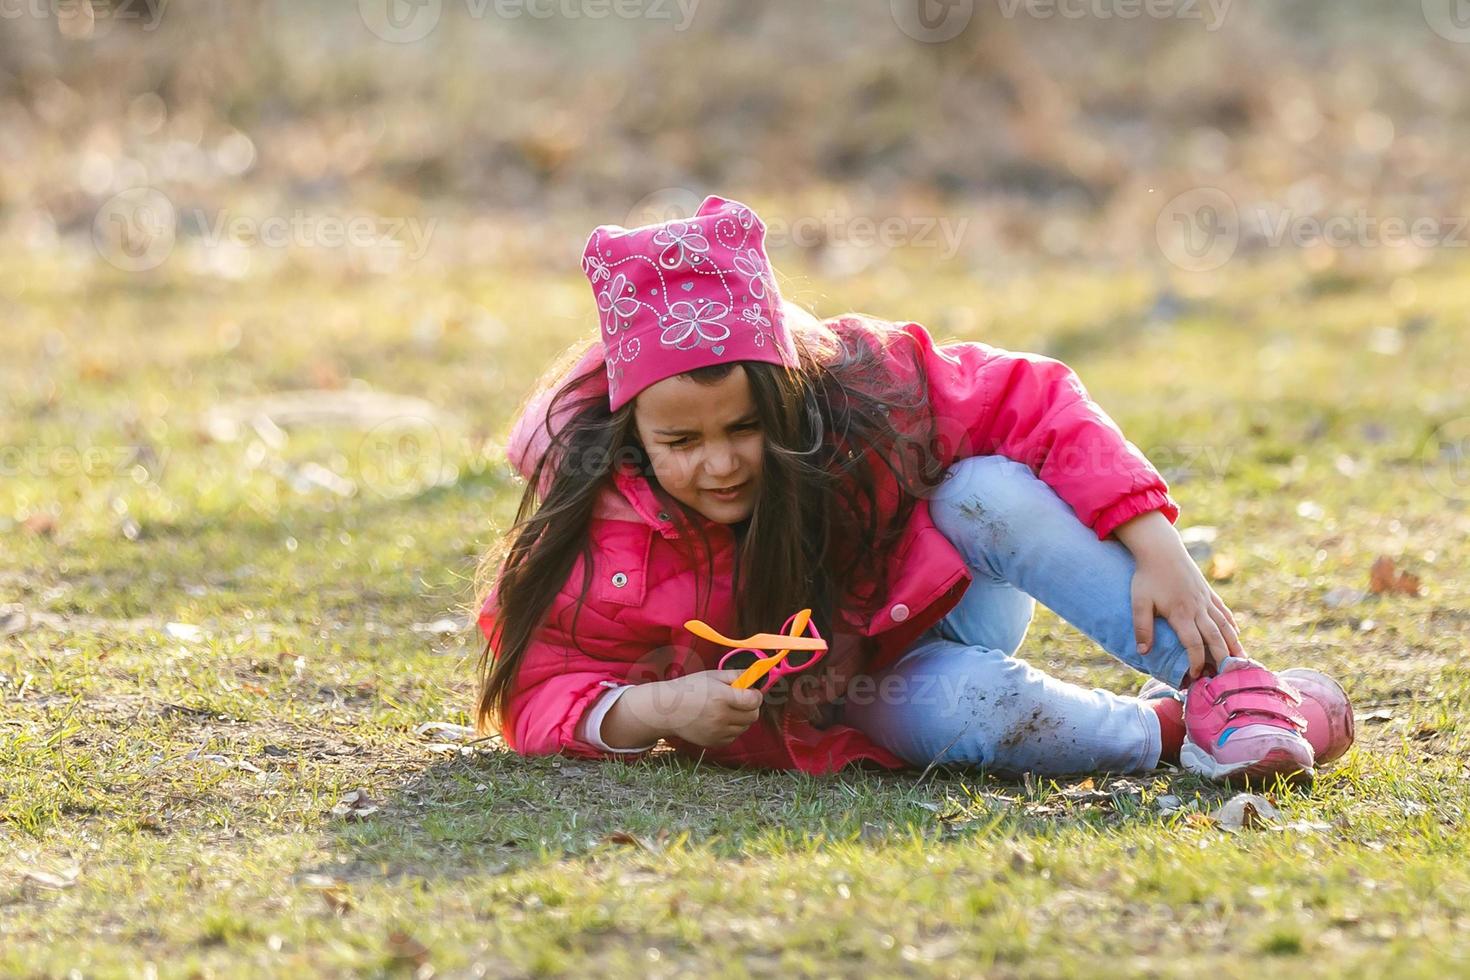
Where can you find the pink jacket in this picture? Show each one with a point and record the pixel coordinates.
(985, 399)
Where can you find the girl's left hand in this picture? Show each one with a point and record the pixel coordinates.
(1168, 583)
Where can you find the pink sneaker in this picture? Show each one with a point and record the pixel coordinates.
(1327, 709)
(1244, 723)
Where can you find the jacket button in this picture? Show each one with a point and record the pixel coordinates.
(899, 612)
(619, 579)
(663, 515)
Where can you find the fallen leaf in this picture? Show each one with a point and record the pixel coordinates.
(1245, 811)
(184, 631)
(1221, 568)
(445, 731)
(1168, 803)
(1377, 717)
(334, 891)
(50, 879)
(356, 805)
(40, 524)
(623, 837)
(404, 949)
(1384, 577)
(439, 627)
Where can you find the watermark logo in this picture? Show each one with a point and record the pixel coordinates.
(1444, 459)
(1202, 229)
(831, 228)
(1211, 13)
(663, 205)
(134, 229)
(401, 457)
(137, 229)
(400, 21)
(79, 19)
(408, 21)
(1199, 230)
(1450, 19)
(141, 462)
(932, 21)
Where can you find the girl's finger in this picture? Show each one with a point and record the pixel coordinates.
(1227, 629)
(1143, 623)
(1214, 640)
(1189, 635)
(1219, 604)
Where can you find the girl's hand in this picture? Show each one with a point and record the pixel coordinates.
(701, 708)
(712, 713)
(1175, 589)
(1167, 582)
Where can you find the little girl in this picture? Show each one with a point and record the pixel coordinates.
(722, 455)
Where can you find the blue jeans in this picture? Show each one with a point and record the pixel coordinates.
(959, 695)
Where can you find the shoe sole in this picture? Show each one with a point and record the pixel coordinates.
(1274, 764)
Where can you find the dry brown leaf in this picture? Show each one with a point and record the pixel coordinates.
(356, 805)
(1384, 577)
(406, 950)
(623, 837)
(1221, 568)
(41, 524)
(1245, 811)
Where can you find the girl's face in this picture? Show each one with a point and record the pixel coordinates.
(702, 439)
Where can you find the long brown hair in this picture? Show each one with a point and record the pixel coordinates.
(827, 421)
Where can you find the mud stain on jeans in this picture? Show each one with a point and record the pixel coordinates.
(1029, 729)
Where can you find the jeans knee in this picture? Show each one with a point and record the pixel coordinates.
(992, 496)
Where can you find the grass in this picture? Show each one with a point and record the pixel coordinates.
(166, 793)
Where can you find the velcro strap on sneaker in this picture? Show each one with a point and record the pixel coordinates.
(1269, 705)
(1250, 679)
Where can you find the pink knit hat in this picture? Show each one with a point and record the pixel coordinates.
(684, 294)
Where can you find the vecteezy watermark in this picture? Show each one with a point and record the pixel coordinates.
(1211, 13)
(138, 228)
(1450, 19)
(407, 21)
(1202, 229)
(937, 21)
(43, 462)
(932, 21)
(400, 457)
(144, 14)
(1444, 459)
(832, 227)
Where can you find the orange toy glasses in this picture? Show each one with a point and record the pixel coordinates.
(808, 649)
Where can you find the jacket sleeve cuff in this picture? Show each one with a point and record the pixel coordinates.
(1130, 507)
(590, 728)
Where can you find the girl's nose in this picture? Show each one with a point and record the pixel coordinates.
(721, 461)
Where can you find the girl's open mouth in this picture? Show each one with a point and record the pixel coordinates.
(730, 493)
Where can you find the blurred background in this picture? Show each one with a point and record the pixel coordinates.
(1041, 129)
(313, 255)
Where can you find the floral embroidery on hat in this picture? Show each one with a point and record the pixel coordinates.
(619, 301)
(749, 265)
(689, 321)
(595, 268)
(759, 320)
(683, 242)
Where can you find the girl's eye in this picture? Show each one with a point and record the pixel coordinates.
(743, 427)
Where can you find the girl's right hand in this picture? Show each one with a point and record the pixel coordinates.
(704, 709)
